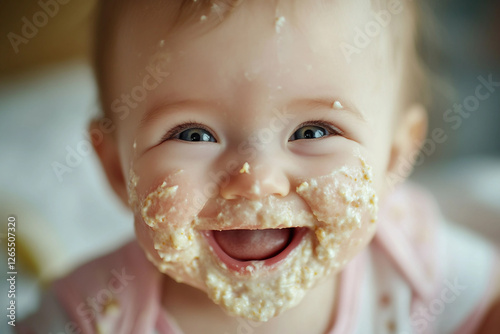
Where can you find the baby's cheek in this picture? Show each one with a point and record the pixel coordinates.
(169, 211)
(164, 225)
(166, 205)
(345, 205)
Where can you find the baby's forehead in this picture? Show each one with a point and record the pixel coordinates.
(143, 28)
(355, 26)
(204, 15)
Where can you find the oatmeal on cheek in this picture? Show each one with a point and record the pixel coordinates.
(257, 178)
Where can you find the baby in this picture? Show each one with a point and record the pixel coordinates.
(257, 144)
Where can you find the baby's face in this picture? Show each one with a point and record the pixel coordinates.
(262, 130)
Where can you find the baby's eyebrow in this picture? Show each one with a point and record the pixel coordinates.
(307, 102)
(323, 102)
(171, 104)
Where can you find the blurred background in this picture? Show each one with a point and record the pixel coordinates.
(68, 215)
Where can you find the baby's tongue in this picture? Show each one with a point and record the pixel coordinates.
(248, 245)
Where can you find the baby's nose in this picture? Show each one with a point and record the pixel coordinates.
(256, 180)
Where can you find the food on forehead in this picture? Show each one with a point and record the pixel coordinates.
(337, 105)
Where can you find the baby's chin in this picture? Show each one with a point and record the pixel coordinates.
(257, 290)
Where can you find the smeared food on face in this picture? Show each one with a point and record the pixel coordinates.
(258, 258)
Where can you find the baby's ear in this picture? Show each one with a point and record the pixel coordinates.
(106, 148)
(409, 135)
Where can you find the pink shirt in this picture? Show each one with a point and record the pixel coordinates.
(420, 274)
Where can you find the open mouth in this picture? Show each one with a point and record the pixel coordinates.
(238, 249)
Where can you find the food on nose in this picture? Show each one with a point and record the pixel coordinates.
(245, 169)
(246, 245)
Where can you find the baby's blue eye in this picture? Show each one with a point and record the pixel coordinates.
(309, 132)
(196, 134)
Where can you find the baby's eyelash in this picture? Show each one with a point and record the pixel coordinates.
(322, 123)
(192, 124)
(181, 127)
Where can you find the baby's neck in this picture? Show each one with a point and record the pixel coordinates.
(196, 313)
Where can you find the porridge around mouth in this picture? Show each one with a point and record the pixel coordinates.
(258, 258)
